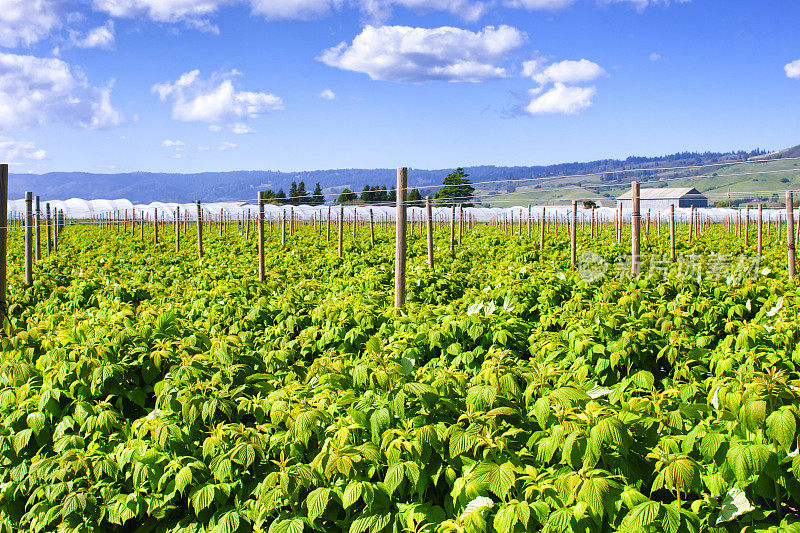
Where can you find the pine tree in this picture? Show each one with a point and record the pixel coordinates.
(301, 194)
(392, 196)
(346, 196)
(456, 190)
(280, 198)
(317, 198)
(414, 197)
(366, 194)
(293, 193)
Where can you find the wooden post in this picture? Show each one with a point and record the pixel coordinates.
(341, 230)
(647, 225)
(28, 238)
(541, 229)
(48, 232)
(760, 227)
(177, 229)
(400, 241)
(672, 232)
(461, 222)
(3, 236)
(141, 227)
(790, 233)
(37, 224)
(529, 222)
(429, 227)
(453, 230)
(691, 223)
(573, 235)
(619, 223)
(747, 225)
(283, 227)
(371, 230)
(199, 230)
(635, 227)
(155, 226)
(261, 267)
(355, 224)
(328, 224)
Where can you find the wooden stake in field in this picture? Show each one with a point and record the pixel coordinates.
(619, 223)
(328, 224)
(155, 226)
(48, 232)
(199, 230)
(400, 241)
(453, 230)
(341, 230)
(37, 222)
(541, 229)
(28, 238)
(672, 232)
(261, 271)
(529, 222)
(760, 225)
(790, 233)
(573, 234)
(691, 223)
(746, 224)
(3, 237)
(429, 227)
(635, 227)
(177, 229)
(371, 230)
(283, 228)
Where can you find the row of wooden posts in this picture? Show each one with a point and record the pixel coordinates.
(55, 221)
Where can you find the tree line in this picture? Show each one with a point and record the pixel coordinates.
(456, 189)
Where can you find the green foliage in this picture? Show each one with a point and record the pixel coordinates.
(140, 390)
(456, 189)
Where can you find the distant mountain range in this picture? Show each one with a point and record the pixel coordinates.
(144, 187)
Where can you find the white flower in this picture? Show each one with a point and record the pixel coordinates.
(478, 503)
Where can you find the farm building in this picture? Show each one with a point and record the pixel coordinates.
(662, 198)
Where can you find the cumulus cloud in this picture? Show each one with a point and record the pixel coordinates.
(240, 128)
(37, 90)
(470, 10)
(568, 71)
(24, 22)
(17, 152)
(642, 4)
(294, 9)
(215, 128)
(793, 69)
(561, 99)
(550, 5)
(170, 144)
(193, 12)
(100, 37)
(225, 146)
(655, 57)
(214, 100)
(327, 94)
(415, 55)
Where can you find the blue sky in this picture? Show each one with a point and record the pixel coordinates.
(209, 85)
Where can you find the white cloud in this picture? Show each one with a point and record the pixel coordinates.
(240, 128)
(563, 71)
(225, 146)
(215, 127)
(327, 94)
(203, 148)
(550, 5)
(176, 156)
(16, 152)
(37, 90)
(214, 100)
(294, 9)
(655, 57)
(561, 99)
(793, 69)
(170, 144)
(469, 10)
(642, 4)
(416, 55)
(100, 37)
(25, 22)
(192, 12)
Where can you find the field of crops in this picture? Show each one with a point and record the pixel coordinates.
(148, 391)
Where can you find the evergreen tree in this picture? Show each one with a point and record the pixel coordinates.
(392, 196)
(382, 196)
(293, 193)
(280, 198)
(317, 198)
(366, 195)
(346, 196)
(414, 197)
(301, 194)
(456, 190)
